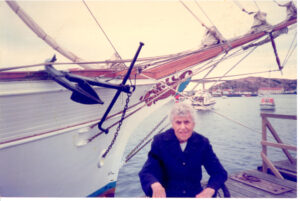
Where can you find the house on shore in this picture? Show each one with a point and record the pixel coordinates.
(270, 90)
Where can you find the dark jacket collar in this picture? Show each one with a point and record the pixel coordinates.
(193, 142)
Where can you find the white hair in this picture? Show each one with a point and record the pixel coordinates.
(182, 109)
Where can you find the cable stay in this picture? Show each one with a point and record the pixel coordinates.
(217, 62)
(260, 17)
(242, 8)
(289, 54)
(167, 88)
(139, 148)
(43, 35)
(84, 84)
(212, 66)
(256, 5)
(212, 35)
(140, 145)
(148, 61)
(143, 142)
(191, 12)
(117, 55)
(204, 12)
(235, 65)
(211, 69)
(212, 32)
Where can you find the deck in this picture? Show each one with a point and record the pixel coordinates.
(239, 189)
(273, 179)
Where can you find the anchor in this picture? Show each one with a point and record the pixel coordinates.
(82, 90)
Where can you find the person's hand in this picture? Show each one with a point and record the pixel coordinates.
(206, 193)
(158, 190)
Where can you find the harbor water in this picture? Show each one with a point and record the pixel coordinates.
(233, 128)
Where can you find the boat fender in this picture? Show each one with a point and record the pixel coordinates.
(101, 159)
(82, 140)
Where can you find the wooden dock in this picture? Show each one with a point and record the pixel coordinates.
(276, 179)
(239, 189)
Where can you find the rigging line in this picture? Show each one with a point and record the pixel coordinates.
(101, 28)
(130, 156)
(204, 13)
(166, 58)
(167, 87)
(243, 74)
(145, 138)
(56, 63)
(211, 22)
(289, 49)
(82, 62)
(239, 6)
(212, 68)
(205, 67)
(174, 58)
(193, 14)
(256, 4)
(236, 64)
(291, 53)
(150, 101)
(171, 59)
(133, 112)
(228, 56)
(147, 142)
(276, 2)
(218, 61)
(235, 121)
(189, 76)
(102, 62)
(33, 26)
(201, 69)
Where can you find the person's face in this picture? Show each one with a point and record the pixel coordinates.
(183, 127)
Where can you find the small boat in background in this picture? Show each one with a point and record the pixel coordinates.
(203, 101)
(267, 103)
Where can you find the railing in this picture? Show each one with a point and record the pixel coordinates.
(285, 147)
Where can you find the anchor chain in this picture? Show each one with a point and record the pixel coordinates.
(119, 125)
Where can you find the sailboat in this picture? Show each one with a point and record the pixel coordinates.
(64, 132)
(203, 101)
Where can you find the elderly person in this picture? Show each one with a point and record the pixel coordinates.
(174, 164)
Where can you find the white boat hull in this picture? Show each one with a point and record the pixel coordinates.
(203, 101)
(44, 146)
(267, 107)
(204, 107)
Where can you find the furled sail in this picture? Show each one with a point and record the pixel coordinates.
(44, 36)
(210, 52)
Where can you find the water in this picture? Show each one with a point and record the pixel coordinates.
(237, 147)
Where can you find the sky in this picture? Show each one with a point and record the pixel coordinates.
(164, 26)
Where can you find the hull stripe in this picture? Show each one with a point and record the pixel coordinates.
(107, 191)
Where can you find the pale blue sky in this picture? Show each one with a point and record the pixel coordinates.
(164, 26)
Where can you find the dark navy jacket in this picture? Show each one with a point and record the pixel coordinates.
(181, 172)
